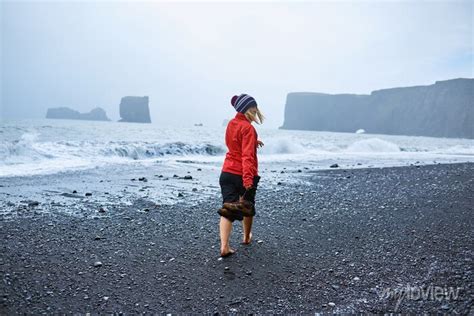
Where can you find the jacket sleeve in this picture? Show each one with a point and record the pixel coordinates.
(249, 148)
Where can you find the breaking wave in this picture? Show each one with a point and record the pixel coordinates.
(26, 149)
(372, 145)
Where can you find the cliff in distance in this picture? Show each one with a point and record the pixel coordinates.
(443, 109)
(96, 114)
(135, 109)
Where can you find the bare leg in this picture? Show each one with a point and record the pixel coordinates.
(225, 227)
(247, 228)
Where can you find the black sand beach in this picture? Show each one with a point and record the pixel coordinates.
(353, 240)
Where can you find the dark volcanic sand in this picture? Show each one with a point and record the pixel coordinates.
(333, 246)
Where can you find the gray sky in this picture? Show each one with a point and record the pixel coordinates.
(191, 57)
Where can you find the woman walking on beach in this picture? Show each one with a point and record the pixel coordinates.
(239, 175)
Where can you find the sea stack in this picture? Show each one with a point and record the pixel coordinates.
(135, 109)
(96, 114)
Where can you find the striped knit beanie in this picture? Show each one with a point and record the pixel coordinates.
(242, 102)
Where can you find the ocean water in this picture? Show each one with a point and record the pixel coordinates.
(35, 147)
(46, 160)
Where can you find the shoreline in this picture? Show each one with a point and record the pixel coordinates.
(332, 243)
(112, 186)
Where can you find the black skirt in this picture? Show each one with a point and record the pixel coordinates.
(232, 187)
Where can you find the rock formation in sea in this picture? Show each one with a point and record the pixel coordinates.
(443, 109)
(134, 109)
(96, 114)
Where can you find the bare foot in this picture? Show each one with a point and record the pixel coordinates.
(247, 241)
(227, 252)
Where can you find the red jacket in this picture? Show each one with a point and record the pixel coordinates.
(241, 140)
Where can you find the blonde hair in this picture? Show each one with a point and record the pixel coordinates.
(257, 117)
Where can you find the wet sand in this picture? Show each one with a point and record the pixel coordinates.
(349, 241)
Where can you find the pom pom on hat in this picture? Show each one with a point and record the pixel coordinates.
(234, 98)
